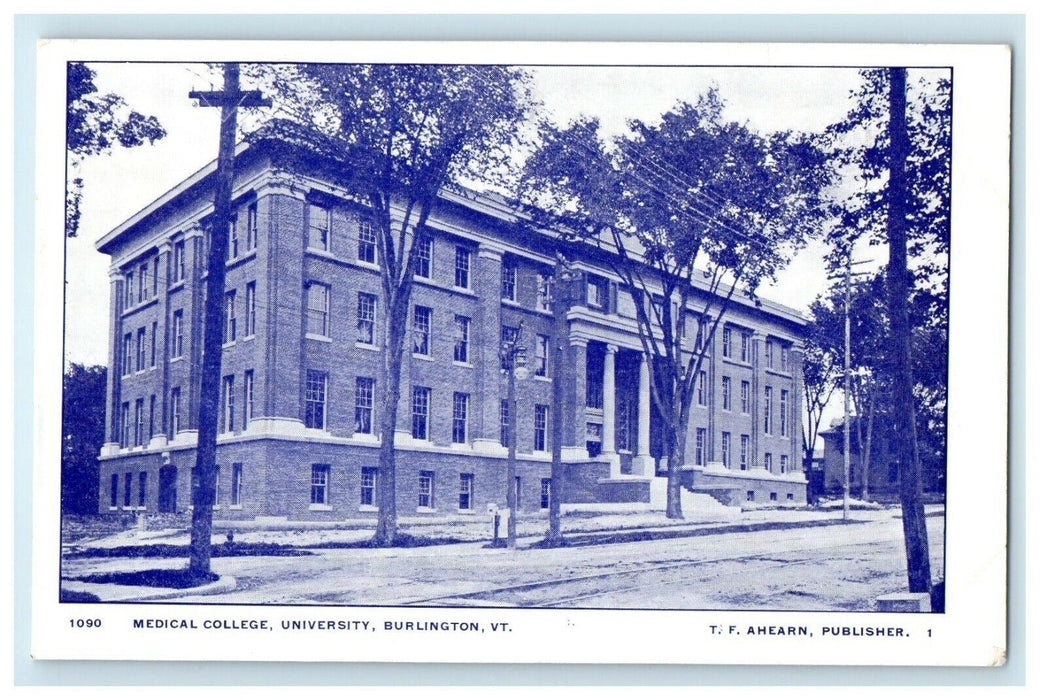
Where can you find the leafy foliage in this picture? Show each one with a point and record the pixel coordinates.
(95, 124)
(83, 433)
(398, 135)
(694, 207)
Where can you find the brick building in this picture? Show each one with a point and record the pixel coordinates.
(298, 435)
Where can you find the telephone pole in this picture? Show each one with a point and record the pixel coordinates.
(848, 275)
(228, 99)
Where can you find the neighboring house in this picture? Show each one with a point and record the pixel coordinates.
(300, 389)
(883, 468)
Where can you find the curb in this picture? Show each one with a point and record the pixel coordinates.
(224, 584)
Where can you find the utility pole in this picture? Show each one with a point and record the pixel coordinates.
(514, 357)
(848, 274)
(228, 99)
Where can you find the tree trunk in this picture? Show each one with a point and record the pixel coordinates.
(211, 366)
(673, 504)
(395, 332)
(900, 359)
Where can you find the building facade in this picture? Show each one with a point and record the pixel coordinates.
(301, 364)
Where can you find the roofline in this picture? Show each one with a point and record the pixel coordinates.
(481, 203)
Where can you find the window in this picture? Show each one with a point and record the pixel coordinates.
(176, 334)
(425, 489)
(727, 341)
(699, 446)
(128, 354)
(750, 495)
(541, 419)
(783, 412)
(785, 463)
(702, 378)
(420, 396)
(541, 355)
(140, 349)
(365, 315)
(785, 358)
(767, 462)
(546, 491)
(143, 281)
(125, 424)
(139, 421)
(367, 243)
(143, 481)
(178, 265)
(364, 416)
(465, 492)
(743, 453)
(726, 381)
(544, 292)
(516, 492)
(249, 309)
(237, 485)
(129, 283)
(252, 226)
(248, 397)
(127, 489)
(788, 497)
(315, 399)
(422, 322)
(152, 346)
(768, 353)
(230, 317)
(596, 292)
(319, 227)
(228, 404)
(321, 477)
(745, 397)
(746, 342)
(317, 310)
(156, 275)
(593, 384)
(509, 280)
(423, 257)
(234, 240)
(114, 490)
(767, 410)
(176, 411)
(774, 495)
(152, 415)
(503, 414)
(369, 486)
(726, 447)
(459, 417)
(510, 334)
(461, 267)
(461, 339)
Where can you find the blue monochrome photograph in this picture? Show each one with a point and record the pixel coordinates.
(481, 335)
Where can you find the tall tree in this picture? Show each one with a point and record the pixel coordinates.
(95, 124)
(694, 208)
(400, 134)
(898, 136)
(83, 432)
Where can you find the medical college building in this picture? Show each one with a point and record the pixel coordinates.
(301, 361)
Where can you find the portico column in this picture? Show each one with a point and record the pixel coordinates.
(643, 463)
(607, 446)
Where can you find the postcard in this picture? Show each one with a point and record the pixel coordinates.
(521, 352)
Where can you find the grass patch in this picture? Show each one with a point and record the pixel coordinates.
(157, 578)
(67, 596)
(400, 541)
(225, 549)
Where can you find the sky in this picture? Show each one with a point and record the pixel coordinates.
(120, 184)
